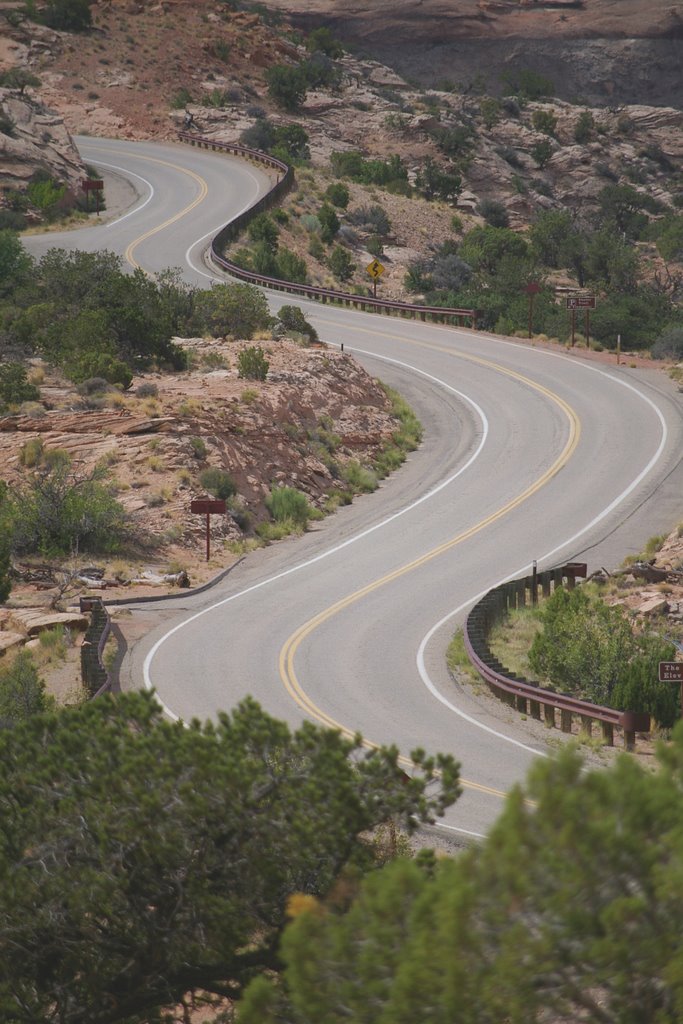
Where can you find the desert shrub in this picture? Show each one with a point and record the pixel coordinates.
(372, 218)
(287, 504)
(510, 155)
(374, 245)
(494, 213)
(264, 229)
(12, 220)
(321, 40)
(527, 84)
(180, 99)
(260, 135)
(360, 479)
(669, 344)
(22, 691)
(59, 511)
(341, 263)
(236, 309)
(338, 194)
(14, 385)
(584, 127)
(544, 121)
(252, 363)
(217, 482)
(147, 390)
(67, 15)
(329, 222)
(542, 152)
(286, 86)
(490, 109)
(292, 319)
(290, 267)
(198, 446)
(93, 386)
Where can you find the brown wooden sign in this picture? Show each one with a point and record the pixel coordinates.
(671, 671)
(88, 184)
(580, 302)
(208, 507)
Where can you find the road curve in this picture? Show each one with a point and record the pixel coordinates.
(528, 454)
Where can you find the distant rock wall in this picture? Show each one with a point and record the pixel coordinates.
(599, 72)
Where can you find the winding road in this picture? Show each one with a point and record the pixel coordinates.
(528, 454)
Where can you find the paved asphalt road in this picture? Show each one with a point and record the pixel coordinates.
(527, 455)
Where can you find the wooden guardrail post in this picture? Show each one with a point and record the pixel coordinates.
(566, 721)
(549, 715)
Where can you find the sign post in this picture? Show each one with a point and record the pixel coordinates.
(208, 507)
(92, 185)
(531, 289)
(585, 302)
(672, 672)
(375, 270)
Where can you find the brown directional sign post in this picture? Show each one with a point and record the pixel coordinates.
(208, 507)
(586, 303)
(532, 289)
(93, 185)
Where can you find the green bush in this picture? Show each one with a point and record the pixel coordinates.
(290, 267)
(292, 319)
(199, 449)
(341, 263)
(542, 152)
(67, 15)
(494, 213)
(669, 344)
(321, 40)
(14, 386)
(286, 86)
(252, 363)
(527, 84)
(544, 121)
(217, 482)
(22, 691)
(329, 222)
(59, 511)
(236, 309)
(584, 127)
(338, 194)
(264, 229)
(286, 504)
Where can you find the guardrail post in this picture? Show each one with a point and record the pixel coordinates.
(535, 710)
(521, 704)
(586, 726)
(629, 740)
(566, 721)
(545, 577)
(549, 715)
(607, 734)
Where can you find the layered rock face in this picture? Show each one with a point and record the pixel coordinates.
(599, 51)
(39, 141)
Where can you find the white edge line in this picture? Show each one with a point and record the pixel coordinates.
(464, 831)
(422, 668)
(132, 174)
(338, 547)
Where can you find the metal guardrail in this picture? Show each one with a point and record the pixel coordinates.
(523, 694)
(93, 673)
(436, 314)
